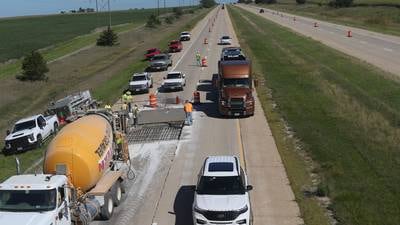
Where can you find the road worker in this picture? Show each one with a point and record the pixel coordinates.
(135, 115)
(107, 107)
(198, 58)
(188, 108)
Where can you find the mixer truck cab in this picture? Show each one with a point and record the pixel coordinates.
(235, 88)
(84, 171)
(35, 200)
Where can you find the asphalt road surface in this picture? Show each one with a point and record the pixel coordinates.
(167, 170)
(378, 49)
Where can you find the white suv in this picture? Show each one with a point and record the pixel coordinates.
(221, 195)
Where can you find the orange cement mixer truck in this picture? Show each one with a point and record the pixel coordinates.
(84, 172)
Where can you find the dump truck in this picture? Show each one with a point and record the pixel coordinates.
(83, 178)
(235, 88)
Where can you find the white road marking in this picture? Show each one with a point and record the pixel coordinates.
(154, 223)
(388, 49)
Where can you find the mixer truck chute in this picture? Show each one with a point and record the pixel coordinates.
(84, 170)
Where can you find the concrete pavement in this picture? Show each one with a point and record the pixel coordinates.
(167, 171)
(375, 48)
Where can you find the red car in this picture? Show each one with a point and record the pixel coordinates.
(152, 52)
(175, 46)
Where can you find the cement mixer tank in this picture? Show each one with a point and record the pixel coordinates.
(82, 151)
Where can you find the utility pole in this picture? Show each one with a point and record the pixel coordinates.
(165, 6)
(97, 6)
(109, 14)
(158, 7)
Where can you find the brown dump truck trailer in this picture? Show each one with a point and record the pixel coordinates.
(235, 88)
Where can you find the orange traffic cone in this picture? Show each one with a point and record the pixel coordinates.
(204, 62)
(177, 100)
(349, 34)
(196, 97)
(153, 100)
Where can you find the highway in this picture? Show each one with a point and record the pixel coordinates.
(377, 49)
(162, 193)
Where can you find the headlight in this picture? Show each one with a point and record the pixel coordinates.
(198, 210)
(243, 210)
(223, 103)
(144, 85)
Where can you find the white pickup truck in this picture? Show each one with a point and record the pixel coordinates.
(174, 80)
(141, 82)
(30, 132)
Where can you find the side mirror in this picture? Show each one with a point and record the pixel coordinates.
(60, 215)
(183, 75)
(164, 78)
(8, 132)
(249, 188)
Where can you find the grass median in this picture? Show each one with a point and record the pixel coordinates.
(345, 114)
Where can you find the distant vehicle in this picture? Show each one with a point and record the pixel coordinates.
(152, 52)
(160, 62)
(174, 81)
(141, 82)
(225, 40)
(261, 10)
(235, 88)
(185, 36)
(223, 6)
(175, 46)
(73, 106)
(221, 195)
(232, 53)
(29, 133)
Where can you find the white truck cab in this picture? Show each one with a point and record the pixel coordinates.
(30, 132)
(35, 200)
(221, 195)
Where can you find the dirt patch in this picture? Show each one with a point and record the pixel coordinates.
(86, 69)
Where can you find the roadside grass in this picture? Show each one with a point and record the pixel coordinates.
(345, 114)
(377, 18)
(108, 91)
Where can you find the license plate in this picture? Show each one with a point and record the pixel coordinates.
(158, 68)
(19, 148)
(236, 114)
(137, 90)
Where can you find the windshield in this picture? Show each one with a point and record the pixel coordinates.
(225, 37)
(220, 186)
(151, 51)
(138, 78)
(184, 33)
(236, 82)
(174, 76)
(25, 125)
(27, 200)
(159, 57)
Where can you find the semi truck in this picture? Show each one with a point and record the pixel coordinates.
(234, 82)
(83, 178)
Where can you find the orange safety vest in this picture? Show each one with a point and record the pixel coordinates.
(188, 107)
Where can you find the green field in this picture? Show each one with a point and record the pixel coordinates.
(25, 34)
(377, 18)
(345, 114)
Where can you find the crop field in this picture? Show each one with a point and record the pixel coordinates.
(377, 17)
(345, 114)
(24, 34)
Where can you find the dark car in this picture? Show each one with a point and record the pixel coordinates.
(160, 62)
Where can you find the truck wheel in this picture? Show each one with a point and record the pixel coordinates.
(39, 141)
(55, 128)
(116, 191)
(107, 209)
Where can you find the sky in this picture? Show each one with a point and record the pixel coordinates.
(9, 8)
